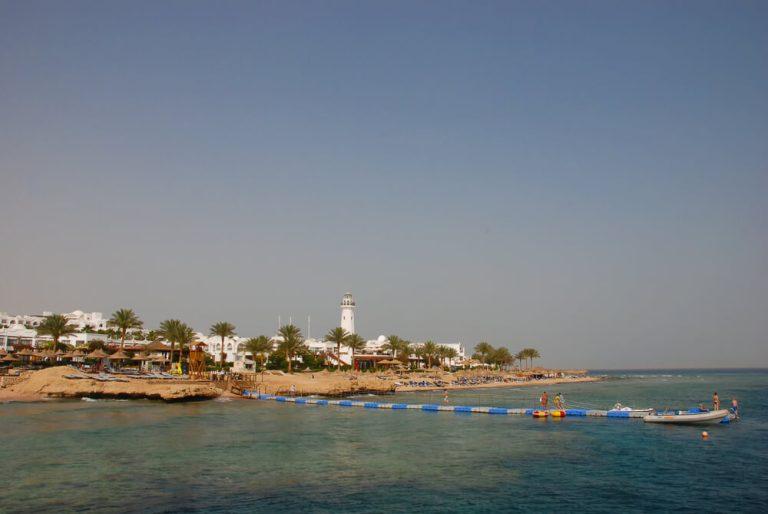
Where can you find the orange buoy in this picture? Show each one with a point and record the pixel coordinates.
(705, 435)
(540, 413)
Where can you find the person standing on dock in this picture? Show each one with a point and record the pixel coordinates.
(715, 401)
(558, 401)
(544, 399)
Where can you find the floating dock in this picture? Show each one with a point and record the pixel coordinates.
(432, 407)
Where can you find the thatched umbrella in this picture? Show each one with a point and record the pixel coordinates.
(9, 358)
(119, 355)
(3, 352)
(98, 353)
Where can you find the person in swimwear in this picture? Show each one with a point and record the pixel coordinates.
(558, 402)
(715, 401)
(544, 399)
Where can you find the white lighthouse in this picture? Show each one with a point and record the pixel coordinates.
(348, 313)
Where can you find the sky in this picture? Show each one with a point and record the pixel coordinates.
(587, 178)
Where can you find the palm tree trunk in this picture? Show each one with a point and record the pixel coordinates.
(222, 356)
(288, 358)
(338, 356)
(122, 339)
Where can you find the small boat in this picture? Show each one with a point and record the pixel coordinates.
(621, 408)
(687, 417)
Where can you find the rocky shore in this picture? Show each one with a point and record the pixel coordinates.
(57, 382)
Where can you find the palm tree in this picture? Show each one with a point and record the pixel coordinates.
(450, 353)
(260, 346)
(405, 351)
(222, 329)
(356, 343)
(337, 335)
(124, 320)
(185, 336)
(169, 330)
(55, 326)
(533, 353)
(483, 350)
(520, 356)
(393, 344)
(441, 353)
(429, 349)
(501, 356)
(293, 342)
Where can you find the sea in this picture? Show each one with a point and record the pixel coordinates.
(260, 456)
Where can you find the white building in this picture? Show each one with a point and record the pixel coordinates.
(78, 319)
(20, 335)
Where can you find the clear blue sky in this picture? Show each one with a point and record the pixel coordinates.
(589, 178)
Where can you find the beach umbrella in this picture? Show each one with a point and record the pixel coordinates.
(157, 346)
(25, 353)
(78, 353)
(3, 352)
(118, 355)
(9, 358)
(142, 357)
(98, 353)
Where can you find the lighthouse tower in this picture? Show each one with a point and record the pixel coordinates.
(348, 313)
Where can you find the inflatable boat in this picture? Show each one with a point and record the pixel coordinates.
(687, 417)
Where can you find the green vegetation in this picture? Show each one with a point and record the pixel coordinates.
(124, 320)
(260, 347)
(222, 329)
(339, 336)
(356, 343)
(56, 326)
(292, 343)
(501, 356)
(169, 330)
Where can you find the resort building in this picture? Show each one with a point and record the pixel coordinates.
(78, 319)
(19, 335)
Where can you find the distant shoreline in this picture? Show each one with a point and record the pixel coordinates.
(491, 385)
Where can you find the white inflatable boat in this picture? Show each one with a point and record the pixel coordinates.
(687, 418)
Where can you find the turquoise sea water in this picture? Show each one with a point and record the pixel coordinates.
(247, 455)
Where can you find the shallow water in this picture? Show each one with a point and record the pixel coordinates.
(252, 455)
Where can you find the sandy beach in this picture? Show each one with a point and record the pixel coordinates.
(326, 383)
